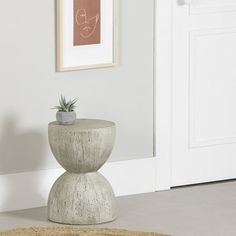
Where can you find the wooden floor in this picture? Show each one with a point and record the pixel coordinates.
(207, 210)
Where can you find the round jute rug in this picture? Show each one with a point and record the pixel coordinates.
(67, 231)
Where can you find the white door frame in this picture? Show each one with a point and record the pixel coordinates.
(163, 92)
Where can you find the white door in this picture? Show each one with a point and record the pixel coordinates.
(204, 91)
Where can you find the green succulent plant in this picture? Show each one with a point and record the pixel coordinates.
(66, 106)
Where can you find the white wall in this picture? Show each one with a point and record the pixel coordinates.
(30, 86)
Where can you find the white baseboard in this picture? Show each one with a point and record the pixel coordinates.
(31, 189)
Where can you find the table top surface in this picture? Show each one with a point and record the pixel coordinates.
(84, 124)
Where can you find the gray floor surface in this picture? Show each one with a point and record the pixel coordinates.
(205, 210)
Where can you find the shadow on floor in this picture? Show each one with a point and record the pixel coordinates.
(34, 214)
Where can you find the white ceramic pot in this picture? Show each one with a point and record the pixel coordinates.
(66, 118)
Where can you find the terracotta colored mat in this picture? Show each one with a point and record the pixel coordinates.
(74, 232)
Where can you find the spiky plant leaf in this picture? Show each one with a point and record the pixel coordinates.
(66, 106)
(59, 108)
(71, 104)
(63, 103)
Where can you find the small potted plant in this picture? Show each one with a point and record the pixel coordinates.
(66, 114)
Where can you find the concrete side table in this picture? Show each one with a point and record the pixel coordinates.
(81, 195)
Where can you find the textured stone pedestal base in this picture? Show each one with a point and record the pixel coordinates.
(81, 195)
(81, 199)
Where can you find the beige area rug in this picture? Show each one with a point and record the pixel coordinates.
(74, 232)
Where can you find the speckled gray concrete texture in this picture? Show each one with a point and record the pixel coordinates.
(82, 195)
(84, 146)
(66, 118)
(81, 199)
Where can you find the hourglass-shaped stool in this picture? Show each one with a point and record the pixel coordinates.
(81, 195)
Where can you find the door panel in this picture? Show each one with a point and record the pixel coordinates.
(204, 92)
(212, 6)
(212, 87)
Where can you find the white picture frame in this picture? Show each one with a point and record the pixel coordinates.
(104, 54)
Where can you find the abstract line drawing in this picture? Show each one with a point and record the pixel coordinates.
(87, 22)
(87, 26)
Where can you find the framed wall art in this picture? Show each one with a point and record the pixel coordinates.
(87, 34)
